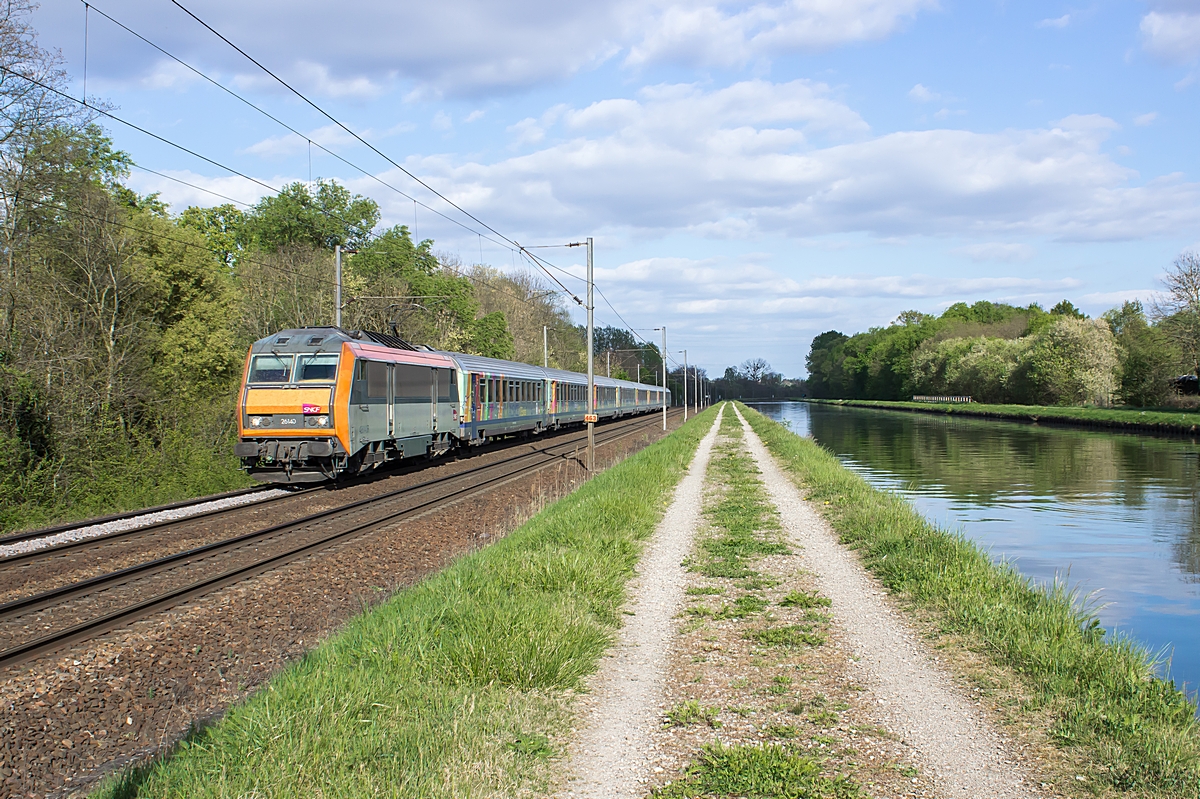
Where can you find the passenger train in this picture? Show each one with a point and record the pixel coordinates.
(321, 403)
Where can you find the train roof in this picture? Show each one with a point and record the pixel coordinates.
(367, 343)
(524, 371)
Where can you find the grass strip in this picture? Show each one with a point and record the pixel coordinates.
(744, 521)
(1159, 421)
(455, 687)
(1138, 732)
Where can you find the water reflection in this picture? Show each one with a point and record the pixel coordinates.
(1118, 513)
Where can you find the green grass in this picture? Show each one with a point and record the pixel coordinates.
(455, 687)
(692, 712)
(788, 636)
(805, 599)
(1138, 732)
(1160, 420)
(756, 772)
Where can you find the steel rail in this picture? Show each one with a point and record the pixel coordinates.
(21, 652)
(23, 558)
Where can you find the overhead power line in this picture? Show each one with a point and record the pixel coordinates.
(365, 172)
(537, 260)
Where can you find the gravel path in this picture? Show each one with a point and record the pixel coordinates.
(120, 525)
(613, 755)
(916, 699)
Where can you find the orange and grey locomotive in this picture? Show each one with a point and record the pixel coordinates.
(320, 403)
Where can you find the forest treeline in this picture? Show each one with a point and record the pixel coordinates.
(124, 327)
(994, 352)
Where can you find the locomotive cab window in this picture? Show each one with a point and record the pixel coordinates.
(271, 369)
(317, 367)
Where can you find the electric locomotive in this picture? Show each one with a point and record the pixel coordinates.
(319, 403)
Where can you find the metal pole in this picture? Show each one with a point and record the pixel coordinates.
(697, 391)
(337, 294)
(685, 376)
(608, 363)
(591, 427)
(545, 348)
(639, 372)
(664, 383)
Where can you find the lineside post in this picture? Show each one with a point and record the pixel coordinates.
(337, 292)
(591, 414)
(685, 379)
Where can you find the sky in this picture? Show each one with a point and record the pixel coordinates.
(753, 174)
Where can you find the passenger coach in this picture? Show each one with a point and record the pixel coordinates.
(321, 403)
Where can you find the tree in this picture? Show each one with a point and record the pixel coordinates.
(295, 216)
(1066, 308)
(1179, 310)
(1072, 362)
(1148, 359)
(755, 369)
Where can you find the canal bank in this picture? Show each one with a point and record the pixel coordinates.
(1042, 662)
(1175, 423)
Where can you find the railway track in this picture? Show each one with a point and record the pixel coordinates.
(47, 621)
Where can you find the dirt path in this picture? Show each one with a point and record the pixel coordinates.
(914, 697)
(612, 757)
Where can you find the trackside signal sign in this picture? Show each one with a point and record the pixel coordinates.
(591, 418)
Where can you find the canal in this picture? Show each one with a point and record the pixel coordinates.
(1114, 514)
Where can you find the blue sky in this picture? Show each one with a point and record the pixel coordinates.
(753, 173)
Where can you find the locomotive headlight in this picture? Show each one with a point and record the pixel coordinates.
(322, 421)
(260, 421)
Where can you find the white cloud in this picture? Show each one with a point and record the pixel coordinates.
(1143, 120)
(755, 158)
(475, 115)
(1058, 22)
(330, 136)
(996, 251)
(922, 94)
(1112, 299)
(204, 190)
(476, 47)
(715, 34)
(441, 121)
(1172, 36)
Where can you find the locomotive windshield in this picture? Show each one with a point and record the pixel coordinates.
(271, 369)
(318, 367)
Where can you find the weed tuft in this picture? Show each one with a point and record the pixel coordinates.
(792, 636)
(804, 599)
(763, 772)
(692, 712)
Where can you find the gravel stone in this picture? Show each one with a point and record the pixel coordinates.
(120, 525)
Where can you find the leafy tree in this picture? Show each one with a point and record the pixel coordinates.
(297, 217)
(1179, 310)
(1148, 357)
(1066, 308)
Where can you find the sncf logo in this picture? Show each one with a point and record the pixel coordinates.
(311, 409)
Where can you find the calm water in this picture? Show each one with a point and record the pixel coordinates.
(1115, 514)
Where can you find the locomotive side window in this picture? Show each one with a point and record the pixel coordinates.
(376, 379)
(412, 383)
(317, 367)
(271, 369)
